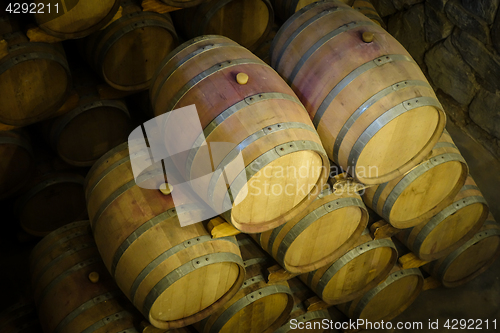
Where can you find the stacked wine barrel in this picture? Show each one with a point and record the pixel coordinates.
(257, 192)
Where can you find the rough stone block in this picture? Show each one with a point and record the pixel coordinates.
(467, 21)
(483, 8)
(438, 4)
(495, 33)
(449, 72)
(455, 112)
(408, 28)
(384, 7)
(485, 112)
(405, 4)
(437, 24)
(485, 63)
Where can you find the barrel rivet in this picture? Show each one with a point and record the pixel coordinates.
(242, 78)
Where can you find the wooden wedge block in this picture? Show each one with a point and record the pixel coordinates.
(35, 34)
(278, 274)
(157, 6)
(315, 304)
(410, 260)
(220, 228)
(382, 229)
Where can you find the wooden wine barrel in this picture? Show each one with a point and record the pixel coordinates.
(366, 8)
(387, 300)
(469, 260)
(321, 233)
(300, 316)
(262, 51)
(182, 3)
(424, 191)
(73, 290)
(262, 118)
(358, 270)
(81, 136)
(51, 201)
(20, 318)
(34, 80)
(4, 127)
(74, 18)
(286, 8)
(16, 162)
(451, 227)
(174, 275)
(137, 41)
(377, 132)
(247, 22)
(258, 306)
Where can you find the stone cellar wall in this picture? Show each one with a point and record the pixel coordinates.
(457, 43)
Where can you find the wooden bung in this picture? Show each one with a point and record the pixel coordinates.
(378, 131)
(154, 260)
(94, 277)
(242, 78)
(166, 188)
(366, 264)
(368, 37)
(262, 120)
